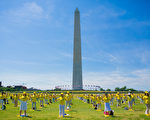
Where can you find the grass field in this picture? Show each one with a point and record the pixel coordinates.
(79, 111)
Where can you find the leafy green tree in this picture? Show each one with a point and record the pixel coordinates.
(123, 88)
(101, 89)
(108, 89)
(117, 89)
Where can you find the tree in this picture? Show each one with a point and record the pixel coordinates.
(131, 89)
(57, 89)
(108, 89)
(123, 88)
(101, 89)
(117, 89)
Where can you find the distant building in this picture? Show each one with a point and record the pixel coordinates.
(0, 84)
(19, 87)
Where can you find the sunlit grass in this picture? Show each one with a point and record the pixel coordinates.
(79, 111)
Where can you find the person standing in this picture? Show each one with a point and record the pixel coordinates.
(23, 99)
(61, 100)
(99, 102)
(16, 97)
(41, 97)
(146, 99)
(130, 100)
(33, 99)
(107, 109)
(118, 97)
(68, 98)
(2, 101)
(46, 98)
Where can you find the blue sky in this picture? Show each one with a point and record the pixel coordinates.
(36, 42)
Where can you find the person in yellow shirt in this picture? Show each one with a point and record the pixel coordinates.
(99, 102)
(93, 98)
(118, 98)
(16, 97)
(50, 99)
(112, 99)
(133, 100)
(61, 100)
(41, 97)
(106, 100)
(54, 97)
(11, 97)
(23, 99)
(7, 96)
(4, 98)
(46, 98)
(33, 99)
(80, 97)
(2, 101)
(146, 99)
(124, 98)
(68, 100)
(130, 100)
(141, 98)
(88, 98)
(84, 98)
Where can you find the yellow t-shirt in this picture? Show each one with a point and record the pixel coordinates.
(50, 96)
(54, 96)
(1, 97)
(146, 99)
(46, 96)
(62, 100)
(33, 97)
(68, 97)
(93, 98)
(23, 98)
(130, 98)
(16, 97)
(124, 97)
(118, 96)
(106, 99)
(41, 97)
(99, 98)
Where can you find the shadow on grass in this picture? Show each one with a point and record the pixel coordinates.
(28, 117)
(68, 117)
(73, 111)
(25, 116)
(138, 110)
(37, 110)
(115, 117)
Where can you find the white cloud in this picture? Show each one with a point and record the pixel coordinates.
(138, 79)
(144, 55)
(26, 13)
(42, 81)
(66, 55)
(28, 10)
(113, 58)
(105, 12)
(101, 56)
(108, 17)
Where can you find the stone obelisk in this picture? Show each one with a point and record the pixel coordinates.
(77, 58)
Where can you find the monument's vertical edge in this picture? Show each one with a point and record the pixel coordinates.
(77, 57)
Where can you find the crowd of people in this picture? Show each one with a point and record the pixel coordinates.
(108, 99)
(65, 100)
(42, 98)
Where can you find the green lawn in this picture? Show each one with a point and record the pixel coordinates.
(80, 111)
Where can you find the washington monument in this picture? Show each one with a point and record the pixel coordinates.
(77, 58)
